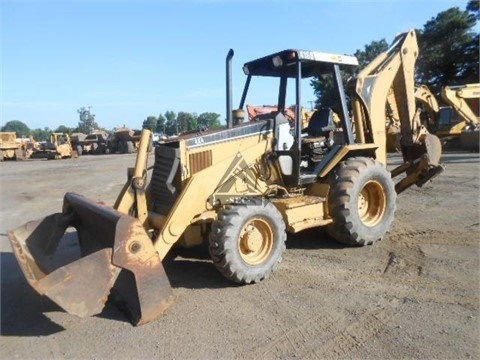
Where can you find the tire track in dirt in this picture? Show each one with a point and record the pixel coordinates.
(328, 334)
(411, 267)
(293, 340)
(359, 333)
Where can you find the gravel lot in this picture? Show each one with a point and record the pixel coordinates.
(414, 295)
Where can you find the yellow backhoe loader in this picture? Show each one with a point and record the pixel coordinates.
(466, 124)
(455, 121)
(426, 114)
(240, 189)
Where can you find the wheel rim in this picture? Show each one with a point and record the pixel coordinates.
(372, 203)
(255, 241)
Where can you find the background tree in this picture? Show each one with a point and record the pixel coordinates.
(449, 48)
(16, 125)
(41, 134)
(186, 122)
(87, 121)
(150, 123)
(448, 54)
(209, 120)
(64, 129)
(324, 86)
(161, 124)
(171, 123)
(473, 6)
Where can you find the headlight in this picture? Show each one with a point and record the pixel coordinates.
(277, 61)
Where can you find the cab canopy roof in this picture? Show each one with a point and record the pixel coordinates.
(281, 64)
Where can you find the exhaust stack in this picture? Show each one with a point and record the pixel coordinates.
(229, 88)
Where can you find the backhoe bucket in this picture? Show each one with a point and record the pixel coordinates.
(116, 257)
(421, 163)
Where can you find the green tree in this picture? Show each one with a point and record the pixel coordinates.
(16, 125)
(186, 122)
(87, 121)
(171, 123)
(324, 86)
(64, 129)
(370, 52)
(150, 123)
(449, 48)
(41, 134)
(473, 6)
(161, 124)
(209, 120)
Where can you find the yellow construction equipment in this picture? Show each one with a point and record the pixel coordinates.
(58, 147)
(9, 148)
(466, 124)
(454, 121)
(240, 189)
(124, 140)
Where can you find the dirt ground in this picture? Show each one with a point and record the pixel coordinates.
(416, 294)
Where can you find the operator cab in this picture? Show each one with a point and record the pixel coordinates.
(303, 146)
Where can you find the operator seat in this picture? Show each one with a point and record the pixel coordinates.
(321, 123)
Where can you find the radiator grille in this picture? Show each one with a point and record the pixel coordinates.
(165, 183)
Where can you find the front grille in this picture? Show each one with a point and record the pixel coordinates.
(165, 183)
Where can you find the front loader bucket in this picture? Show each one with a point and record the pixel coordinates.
(115, 257)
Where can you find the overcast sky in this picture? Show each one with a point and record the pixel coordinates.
(131, 59)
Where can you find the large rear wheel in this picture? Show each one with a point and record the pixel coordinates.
(247, 242)
(362, 201)
(130, 147)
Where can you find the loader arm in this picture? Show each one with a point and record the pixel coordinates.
(132, 199)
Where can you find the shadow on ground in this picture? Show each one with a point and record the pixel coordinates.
(24, 310)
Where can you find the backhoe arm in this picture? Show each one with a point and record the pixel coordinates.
(391, 70)
(391, 75)
(455, 96)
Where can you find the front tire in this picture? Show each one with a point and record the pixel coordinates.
(362, 202)
(247, 242)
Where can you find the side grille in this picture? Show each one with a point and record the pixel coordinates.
(200, 161)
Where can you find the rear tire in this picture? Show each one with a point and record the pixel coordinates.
(362, 202)
(79, 150)
(246, 242)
